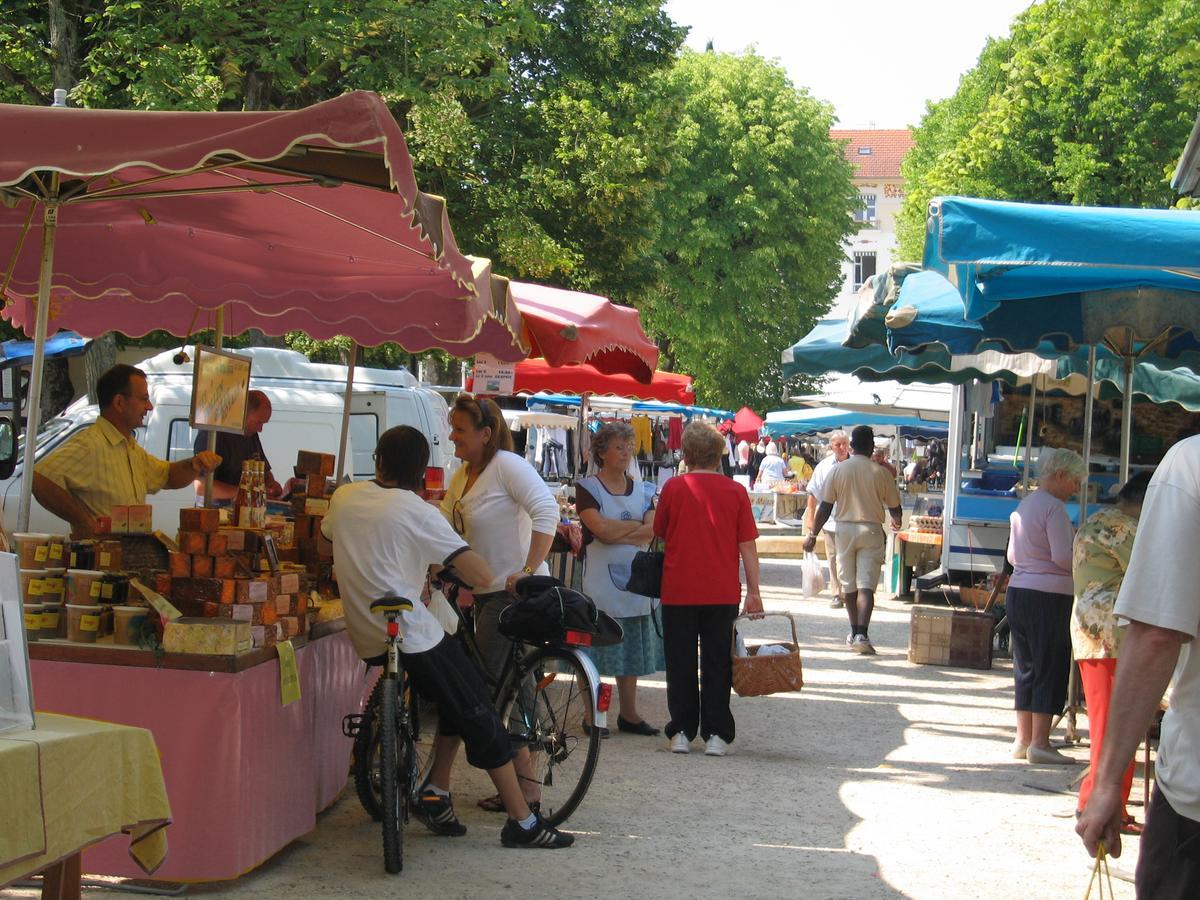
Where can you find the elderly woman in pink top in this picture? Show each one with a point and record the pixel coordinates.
(1038, 603)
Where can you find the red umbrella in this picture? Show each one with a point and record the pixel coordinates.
(536, 375)
(289, 220)
(746, 424)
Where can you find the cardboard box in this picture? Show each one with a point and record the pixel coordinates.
(179, 565)
(216, 590)
(314, 486)
(309, 462)
(944, 636)
(252, 590)
(118, 517)
(193, 542)
(202, 567)
(218, 543)
(141, 519)
(199, 519)
(289, 582)
(224, 566)
(316, 506)
(221, 637)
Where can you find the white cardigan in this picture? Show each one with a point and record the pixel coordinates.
(508, 502)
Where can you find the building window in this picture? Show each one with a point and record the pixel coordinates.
(864, 151)
(866, 209)
(864, 268)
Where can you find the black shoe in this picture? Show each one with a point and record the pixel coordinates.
(587, 729)
(436, 813)
(540, 835)
(642, 727)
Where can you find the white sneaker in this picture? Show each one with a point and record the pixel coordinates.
(716, 747)
(680, 743)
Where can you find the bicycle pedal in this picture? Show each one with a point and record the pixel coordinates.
(352, 724)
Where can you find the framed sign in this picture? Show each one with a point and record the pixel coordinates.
(220, 391)
(493, 377)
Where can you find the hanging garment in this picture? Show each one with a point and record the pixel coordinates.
(643, 436)
(675, 434)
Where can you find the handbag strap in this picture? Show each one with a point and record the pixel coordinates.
(791, 621)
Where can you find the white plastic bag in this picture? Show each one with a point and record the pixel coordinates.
(812, 578)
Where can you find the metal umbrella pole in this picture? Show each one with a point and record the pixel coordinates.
(1029, 434)
(218, 343)
(37, 376)
(344, 441)
(1126, 418)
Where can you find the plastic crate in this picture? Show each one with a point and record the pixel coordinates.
(942, 636)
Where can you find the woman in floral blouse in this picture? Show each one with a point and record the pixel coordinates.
(1101, 555)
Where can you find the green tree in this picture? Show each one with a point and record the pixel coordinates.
(1086, 102)
(755, 212)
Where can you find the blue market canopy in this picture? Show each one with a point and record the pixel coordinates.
(1126, 278)
(829, 418)
(648, 406)
(63, 344)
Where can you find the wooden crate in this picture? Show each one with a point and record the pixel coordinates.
(942, 636)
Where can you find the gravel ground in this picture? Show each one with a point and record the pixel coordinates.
(879, 779)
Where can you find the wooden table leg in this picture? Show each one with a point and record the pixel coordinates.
(61, 881)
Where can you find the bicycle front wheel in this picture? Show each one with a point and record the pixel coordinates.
(423, 729)
(389, 779)
(545, 704)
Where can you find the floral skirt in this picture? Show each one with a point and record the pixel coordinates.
(640, 653)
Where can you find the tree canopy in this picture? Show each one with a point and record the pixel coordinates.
(1086, 102)
(754, 214)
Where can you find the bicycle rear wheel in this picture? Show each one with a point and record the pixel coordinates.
(423, 725)
(549, 721)
(392, 786)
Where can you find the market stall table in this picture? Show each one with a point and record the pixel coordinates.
(246, 775)
(71, 782)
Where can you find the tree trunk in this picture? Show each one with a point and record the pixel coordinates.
(256, 91)
(64, 43)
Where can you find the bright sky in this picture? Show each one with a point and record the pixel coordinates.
(876, 61)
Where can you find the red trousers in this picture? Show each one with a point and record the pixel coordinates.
(1098, 676)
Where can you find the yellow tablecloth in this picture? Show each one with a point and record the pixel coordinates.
(72, 782)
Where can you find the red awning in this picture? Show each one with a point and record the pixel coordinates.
(746, 424)
(305, 220)
(536, 375)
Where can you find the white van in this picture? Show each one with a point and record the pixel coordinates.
(306, 400)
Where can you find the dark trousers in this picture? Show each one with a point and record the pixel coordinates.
(1040, 625)
(1168, 866)
(702, 708)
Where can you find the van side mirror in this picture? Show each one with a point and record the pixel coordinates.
(8, 447)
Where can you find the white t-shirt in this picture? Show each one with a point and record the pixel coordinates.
(384, 541)
(773, 469)
(816, 488)
(1162, 588)
(507, 503)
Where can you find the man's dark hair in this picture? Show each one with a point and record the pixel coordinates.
(1134, 490)
(862, 440)
(114, 383)
(402, 455)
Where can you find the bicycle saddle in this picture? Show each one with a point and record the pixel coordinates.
(391, 604)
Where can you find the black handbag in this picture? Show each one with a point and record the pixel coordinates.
(645, 573)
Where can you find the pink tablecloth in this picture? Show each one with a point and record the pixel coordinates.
(245, 776)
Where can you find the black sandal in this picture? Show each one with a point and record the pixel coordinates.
(643, 727)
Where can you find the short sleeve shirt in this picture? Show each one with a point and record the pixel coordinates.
(384, 541)
(703, 516)
(1099, 559)
(862, 490)
(816, 487)
(1162, 588)
(101, 468)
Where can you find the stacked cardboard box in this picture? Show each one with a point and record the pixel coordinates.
(217, 573)
(310, 503)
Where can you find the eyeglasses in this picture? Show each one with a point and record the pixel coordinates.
(457, 522)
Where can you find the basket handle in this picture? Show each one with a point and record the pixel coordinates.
(791, 621)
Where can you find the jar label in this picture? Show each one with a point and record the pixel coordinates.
(41, 553)
(89, 623)
(35, 588)
(95, 591)
(33, 621)
(50, 620)
(105, 560)
(56, 551)
(106, 591)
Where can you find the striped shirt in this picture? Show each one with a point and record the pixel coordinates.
(101, 468)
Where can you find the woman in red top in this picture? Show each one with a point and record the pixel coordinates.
(706, 522)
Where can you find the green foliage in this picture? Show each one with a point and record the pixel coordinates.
(754, 214)
(1086, 102)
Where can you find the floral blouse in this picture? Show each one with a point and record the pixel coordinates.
(1099, 560)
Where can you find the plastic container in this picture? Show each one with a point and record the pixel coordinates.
(33, 621)
(54, 620)
(33, 549)
(54, 586)
(84, 586)
(127, 624)
(83, 624)
(32, 585)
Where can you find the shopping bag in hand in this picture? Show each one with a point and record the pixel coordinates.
(812, 579)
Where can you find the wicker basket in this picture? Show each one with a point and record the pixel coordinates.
(755, 676)
(976, 597)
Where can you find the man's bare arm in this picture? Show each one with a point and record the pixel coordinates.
(61, 503)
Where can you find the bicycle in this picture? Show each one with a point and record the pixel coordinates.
(388, 772)
(548, 717)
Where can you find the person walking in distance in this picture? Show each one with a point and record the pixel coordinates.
(839, 452)
(861, 490)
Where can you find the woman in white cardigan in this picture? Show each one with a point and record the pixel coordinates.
(499, 503)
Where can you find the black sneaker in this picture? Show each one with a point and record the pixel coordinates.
(540, 835)
(436, 813)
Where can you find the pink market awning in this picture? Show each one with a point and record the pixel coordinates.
(746, 424)
(306, 220)
(537, 375)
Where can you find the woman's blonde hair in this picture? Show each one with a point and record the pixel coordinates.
(702, 446)
(485, 413)
(604, 438)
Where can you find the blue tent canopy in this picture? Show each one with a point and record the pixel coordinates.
(637, 406)
(65, 343)
(829, 418)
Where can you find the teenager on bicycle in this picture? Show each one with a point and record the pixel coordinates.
(500, 505)
(385, 538)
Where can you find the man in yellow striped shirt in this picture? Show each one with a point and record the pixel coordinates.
(104, 466)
